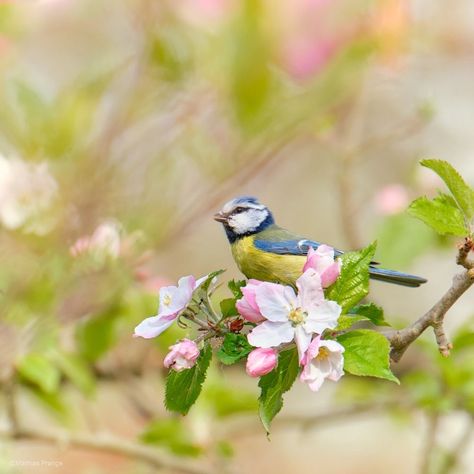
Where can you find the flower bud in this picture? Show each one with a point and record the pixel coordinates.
(247, 305)
(183, 355)
(261, 361)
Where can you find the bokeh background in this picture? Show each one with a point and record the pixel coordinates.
(124, 125)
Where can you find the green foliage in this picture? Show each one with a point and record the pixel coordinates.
(446, 214)
(462, 192)
(96, 336)
(228, 308)
(367, 353)
(76, 370)
(441, 214)
(172, 434)
(183, 388)
(39, 371)
(234, 348)
(275, 384)
(367, 312)
(225, 401)
(353, 282)
(235, 286)
(401, 239)
(371, 312)
(250, 72)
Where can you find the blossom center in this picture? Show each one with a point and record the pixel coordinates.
(167, 300)
(323, 353)
(296, 316)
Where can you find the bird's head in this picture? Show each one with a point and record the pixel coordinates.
(244, 216)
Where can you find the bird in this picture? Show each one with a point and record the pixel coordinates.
(265, 251)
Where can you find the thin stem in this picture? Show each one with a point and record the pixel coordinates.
(107, 444)
(430, 442)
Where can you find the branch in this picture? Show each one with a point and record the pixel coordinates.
(401, 339)
(106, 444)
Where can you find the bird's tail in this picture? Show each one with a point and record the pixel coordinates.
(398, 278)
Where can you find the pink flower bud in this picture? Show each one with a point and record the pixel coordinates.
(247, 305)
(322, 261)
(261, 361)
(183, 355)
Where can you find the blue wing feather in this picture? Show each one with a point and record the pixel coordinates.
(289, 247)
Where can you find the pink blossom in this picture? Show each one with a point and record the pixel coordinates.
(173, 300)
(391, 199)
(247, 305)
(323, 360)
(290, 316)
(322, 261)
(105, 241)
(183, 355)
(27, 191)
(261, 361)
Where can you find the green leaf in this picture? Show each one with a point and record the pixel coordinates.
(353, 282)
(275, 384)
(462, 192)
(40, 371)
(235, 287)
(367, 353)
(76, 370)
(96, 336)
(207, 283)
(183, 388)
(228, 308)
(441, 214)
(172, 434)
(234, 348)
(227, 400)
(367, 312)
(372, 312)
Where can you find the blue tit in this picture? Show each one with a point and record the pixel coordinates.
(267, 252)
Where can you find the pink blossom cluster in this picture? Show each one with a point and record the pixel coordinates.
(283, 316)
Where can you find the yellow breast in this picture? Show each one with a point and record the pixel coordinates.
(266, 266)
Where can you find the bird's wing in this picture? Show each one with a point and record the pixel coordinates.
(289, 247)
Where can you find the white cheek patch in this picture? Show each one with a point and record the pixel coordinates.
(247, 221)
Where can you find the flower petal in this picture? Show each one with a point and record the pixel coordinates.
(323, 316)
(270, 334)
(275, 301)
(330, 275)
(310, 291)
(152, 327)
(303, 340)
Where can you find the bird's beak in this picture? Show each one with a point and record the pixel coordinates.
(219, 217)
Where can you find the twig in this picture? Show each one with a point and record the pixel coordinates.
(430, 441)
(454, 456)
(10, 403)
(107, 444)
(401, 339)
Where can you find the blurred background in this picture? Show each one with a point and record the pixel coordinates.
(124, 125)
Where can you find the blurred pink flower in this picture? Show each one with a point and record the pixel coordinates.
(306, 57)
(150, 282)
(391, 199)
(173, 300)
(293, 316)
(26, 193)
(247, 305)
(104, 241)
(323, 360)
(322, 261)
(183, 355)
(261, 361)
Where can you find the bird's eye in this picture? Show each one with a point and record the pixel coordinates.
(239, 209)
